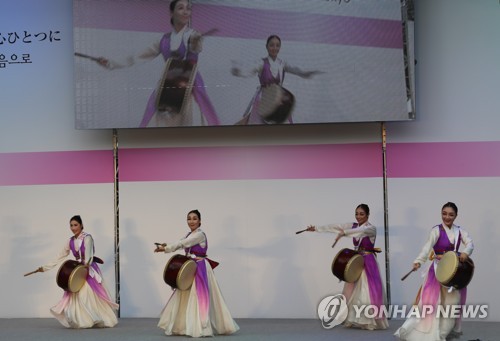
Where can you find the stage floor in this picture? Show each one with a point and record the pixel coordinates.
(144, 329)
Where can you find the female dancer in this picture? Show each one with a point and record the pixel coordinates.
(368, 289)
(443, 237)
(184, 44)
(200, 310)
(91, 306)
(271, 71)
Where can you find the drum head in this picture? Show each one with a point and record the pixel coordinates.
(354, 268)
(447, 267)
(77, 278)
(185, 276)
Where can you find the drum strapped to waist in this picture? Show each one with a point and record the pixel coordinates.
(179, 272)
(451, 272)
(71, 276)
(348, 265)
(276, 103)
(175, 87)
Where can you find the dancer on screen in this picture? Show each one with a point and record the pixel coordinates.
(271, 103)
(171, 103)
(199, 310)
(368, 289)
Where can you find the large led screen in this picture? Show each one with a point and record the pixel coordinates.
(154, 63)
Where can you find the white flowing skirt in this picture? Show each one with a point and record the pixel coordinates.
(441, 329)
(85, 309)
(181, 315)
(358, 294)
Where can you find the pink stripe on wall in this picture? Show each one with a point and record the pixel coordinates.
(236, 22)
(267, 162)
(244, 23)
(142, 16)
(44, 168)
(443, 159)
(404, 160)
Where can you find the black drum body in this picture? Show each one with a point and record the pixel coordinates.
(175, 86)
(179, 272)
(276, 104)
(71, 276)
(348, 265)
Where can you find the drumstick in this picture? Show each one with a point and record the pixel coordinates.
(78, 54)
(32, 272)
(335, 243)
(408, 274)
(298, 232)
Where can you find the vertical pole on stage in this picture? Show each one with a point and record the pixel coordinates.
(386, 216)
(117, 218)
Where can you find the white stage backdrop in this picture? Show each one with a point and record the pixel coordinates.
(266, 269)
